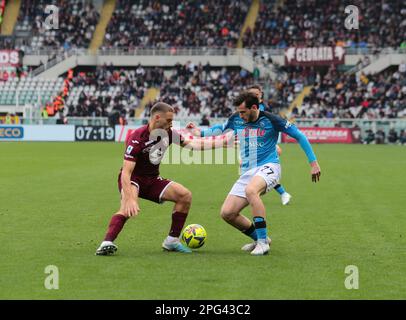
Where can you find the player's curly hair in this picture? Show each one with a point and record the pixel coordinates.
(249, 98)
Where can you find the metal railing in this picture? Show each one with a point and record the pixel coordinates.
(50, 64)
(309, 122)
(80, 121)
(193, 51)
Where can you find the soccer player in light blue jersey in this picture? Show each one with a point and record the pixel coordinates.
(258, 133)
(257, 89)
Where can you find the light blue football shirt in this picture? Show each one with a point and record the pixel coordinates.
(258, 139)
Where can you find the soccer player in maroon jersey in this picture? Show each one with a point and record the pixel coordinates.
(139, 177)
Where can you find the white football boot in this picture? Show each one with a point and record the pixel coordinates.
(261, 248)
(285, 198)
(251, 246)
(175, 245)
(107, 248)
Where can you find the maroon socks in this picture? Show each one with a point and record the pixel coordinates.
(178, 221)
(116, 225)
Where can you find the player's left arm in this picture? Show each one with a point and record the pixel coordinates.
(304, 143)
(206, 144)
(215, 130)
(196, 143)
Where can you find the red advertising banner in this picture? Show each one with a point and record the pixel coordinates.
(9, 58)
(314, 56)
(328, 135)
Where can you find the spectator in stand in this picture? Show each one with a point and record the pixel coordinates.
(170, 24)
(338, 95)
(380, 137)
(370, 137)
(392, 136)
(77, 22)
(190, 89)
(320, 23)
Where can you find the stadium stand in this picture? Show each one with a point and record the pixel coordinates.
(165, 24)
(338, 95)
(158, 24)
(318, 23)
(77, 22)
(200, 89)
(20, 91)
(97, 93)
(192, 89)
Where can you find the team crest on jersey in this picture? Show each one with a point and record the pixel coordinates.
(261, 124)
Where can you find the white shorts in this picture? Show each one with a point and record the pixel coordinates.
(270, 172)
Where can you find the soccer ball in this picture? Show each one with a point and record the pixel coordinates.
(194, 236)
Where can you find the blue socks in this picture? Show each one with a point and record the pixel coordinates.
(260, 227)
(251, 232)
(280, 189)
(257, 231)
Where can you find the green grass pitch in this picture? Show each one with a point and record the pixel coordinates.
(56, 200)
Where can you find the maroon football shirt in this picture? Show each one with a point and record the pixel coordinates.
(148, 148)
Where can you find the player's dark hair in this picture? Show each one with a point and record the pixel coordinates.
(255, 86)
(249, 98)
(161, 107)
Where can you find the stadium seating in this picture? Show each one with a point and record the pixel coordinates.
(200, 90)
(217, 23)
(339, 95)
(196, 90)
(192, 89)
(319, 22)
(29, 90)
(77, 21)
(100, 92)
(164, 24)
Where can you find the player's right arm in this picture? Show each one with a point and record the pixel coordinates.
(129, 200)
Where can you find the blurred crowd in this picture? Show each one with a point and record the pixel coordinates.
(168, 23)
(341, 95)
(320, 23)
(217, 23)
(202, 90)
(108, 89)
(197, 89)
(77, 23)
(192, 89)
(379, 137)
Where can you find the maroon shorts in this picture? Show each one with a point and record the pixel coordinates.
(149, 187)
